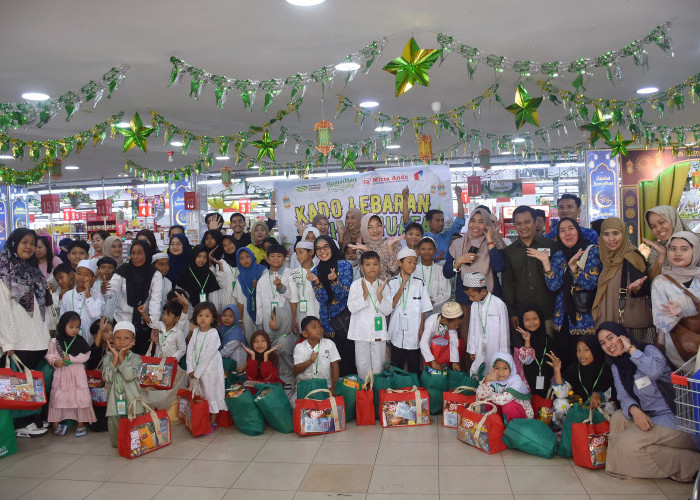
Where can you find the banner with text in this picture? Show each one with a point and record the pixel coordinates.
(377, 192)
(603, 184)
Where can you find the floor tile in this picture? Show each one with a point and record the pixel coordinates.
(190, 492)
(550, 497)
(486, 497)
(631, 496)
(356, 432)
(149, 470)
(121, 491)
(446, 434)
(458, 453)
(400, 453)
(404, 479)
(60, 489)
(517, 457)
(537, 480)
(240, 494)
(347, 452)
(280, 436)
(337, 478)
(394, 496)
(415, 434)
(323, 495)
(101, 468)
(212, 474)
(40, 465)
(15, 487)
(232, 448)
(288, 451)
(71, 444)
(673, 487)
(258, 476)
(597, 482)
(185, 449)
(476, 480)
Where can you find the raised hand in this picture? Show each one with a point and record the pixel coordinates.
(277, 282)
(440, 256)
(181, 299)
(626, 344)
(311, 277)
(390, 242)
(670, 309)
(380, 289)
(267, 353)
(554, 362)
(300, 227)
(458, 192)
(249, 351)
(405, 192)
(636, 285)
(525, 334)
(332, 276)
(660, 249)
(573, 262)
(358, 246)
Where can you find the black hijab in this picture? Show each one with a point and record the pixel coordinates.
(193, 277)
(23, 278)
(230, 258)
(216, 234)
(568, 279)
(323, 269)
(138, 278)
(151, 240)
(76, 345)
(541, 344)
(596, 377)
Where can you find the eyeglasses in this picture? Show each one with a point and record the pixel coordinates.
(323, 247)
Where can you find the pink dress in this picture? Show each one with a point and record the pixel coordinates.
(70, 395)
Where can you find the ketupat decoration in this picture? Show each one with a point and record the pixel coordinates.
(136, 134)
(412, 67)
(32, 176)
(618, 146)
(525, 108)
(348, 161)
(599, 128)
(323, 136)
(266, 146)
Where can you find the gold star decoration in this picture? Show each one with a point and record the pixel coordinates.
(618, 146)
(136, 134)
(599, 128)
(525, 108)
(412, 67)
(266, 147)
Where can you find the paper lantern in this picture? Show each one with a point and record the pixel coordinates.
(56, 172)
(226, 176)
(323, 136)
(425, 148)
(485, 159)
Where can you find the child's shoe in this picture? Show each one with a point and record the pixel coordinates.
(80, 431)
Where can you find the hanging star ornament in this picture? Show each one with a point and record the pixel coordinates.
(412, 67)
(618, 146)
(348, 160)
(266, 147)
(525, 108)
(136, 134)
(599, 128)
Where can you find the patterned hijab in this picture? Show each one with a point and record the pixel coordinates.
(23, 278)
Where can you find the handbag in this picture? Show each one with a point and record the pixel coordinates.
(583, 299)
(589, 442)
(576, 414)
(481, 430)
(686, 334)
(313, 416)
(193, 410)
(341, 323)
(310, 385)
(404, 407)
(8, 440)
(436, 383)
(452, 400)
(138, 436)
(364, 402)
(531, 436)
(246, 416)
(633, 312)
(348, 387)
(275, 407)
(21, 390)
(543, 408)
(158, 373)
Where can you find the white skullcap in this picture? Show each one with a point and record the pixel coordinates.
(406, 252)
(309, 245)
(125, 325)
(451, 310)
(90, 264)
(158, 256)
(473, 280)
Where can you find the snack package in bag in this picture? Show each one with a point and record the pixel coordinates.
(404, 407)
(454, 399)
(481, 427)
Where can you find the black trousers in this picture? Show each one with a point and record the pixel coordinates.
(31, 359)
(408, 357)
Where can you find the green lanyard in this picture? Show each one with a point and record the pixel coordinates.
(273, 288)
(539, 363)
(303, 283)
(167, 334)
(197, 355)
(117, 383)
(404, 296)
(72, 301)
(235, 276)
(594, 383)
(484, 320)
(369, 294)
(66, 347)
(195, 278)
(441, 329)
(430, 278)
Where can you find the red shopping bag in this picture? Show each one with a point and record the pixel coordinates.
(589, 443)
(158, 373)
(543, 408)
(364, 402)
(98, 391)
(451, 400)
(312, 416)
(21, 390)
(404, 407)
(193, 411)
(143, 434)
(224, 419)
(481, 429)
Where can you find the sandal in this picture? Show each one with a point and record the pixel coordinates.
(80, 432)
(212, 428)
(61, 430)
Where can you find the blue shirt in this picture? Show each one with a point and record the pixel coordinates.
(588, 233)
(443, 239)
(331, 308)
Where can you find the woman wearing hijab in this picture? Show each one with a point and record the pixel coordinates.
(331, 280)
(249, 272)
(351, 232)
(623, 268)
(179, 250)
(644, 439)
(531, 359)
(23, 315)
(258, 234)
(138, 284)
(567, 274)
(372, 230)
(675, 296)
(198, 280)
(113, 247)
(227, 274)
(663, 221)
(150, 237)
(63, 249)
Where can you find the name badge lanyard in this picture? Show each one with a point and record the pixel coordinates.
(80, 312)
(303, 303)
(430, 276)
(234, 271)
(378, 322)
(121, 400)
(201, 286)
(273, 290)
(318, 355)
(594, 383)
(166, 335)
(539, 380)
(404, 303)
(197, 355)
(483, 321)
(66, 347)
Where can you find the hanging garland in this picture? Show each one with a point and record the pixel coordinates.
(14, 177)
(22, 114)
(250, 88)
(610, 60)
(179, 174)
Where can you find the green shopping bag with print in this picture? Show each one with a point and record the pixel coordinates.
(8, 440)
(233, 377)
(241, 405)
(401, 378)
(382, 381)
(272, 402)
(576, 415)
(348, 387)
(436, 383)
(304, 387)
(460, 379)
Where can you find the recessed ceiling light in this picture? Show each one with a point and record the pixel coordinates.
(123, 125)
(506, 153)
(72, 167)
(393, 146)
(517, 140)
(35, 96)
(384, 129)
(347, 66)
(222, 158)
(305, 3)
(369, 104)
(7, 157)
(647, 90)
(177, 144)
(687, 144)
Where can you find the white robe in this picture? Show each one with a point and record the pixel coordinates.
(438, 286)
(89, 310)
(204, 359)
(228, 281)
(485, 343)
(266, 293)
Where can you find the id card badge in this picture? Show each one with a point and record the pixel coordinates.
(404, 323)
(302, 306)
(274, 305)
(539, 382)
(378, 323)
(202, 297)
(121, 406)
(642, 382)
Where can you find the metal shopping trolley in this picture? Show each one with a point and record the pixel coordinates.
(687, 400)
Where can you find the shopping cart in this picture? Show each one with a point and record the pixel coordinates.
(686, 382)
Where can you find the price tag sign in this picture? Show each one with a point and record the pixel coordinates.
(50, 203)
(104, 207)
(191, 200)
(244, 205)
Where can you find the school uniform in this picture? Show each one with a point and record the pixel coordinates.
(438, 286)
(437, 336)
(488, 331)
(301, 293)
(321, 368)
(90, 309)
(267, 296)
(228, 281)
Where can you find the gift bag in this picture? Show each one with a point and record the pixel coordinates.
(436, 383)
(481, 429)
(8, 440)
(158, 373)
(347, 387)
(531, 436)
(404, 407)
(308, 386)
(454, 399)
(193, 410)
(576, 415)
(44, 367)
(224, 419)
(589, 442)
(98, 391)
(21, 390)
(380, 382)
(460, 379)
(275, 407)
(313, 416)
(543, 408)
(246, 416)
(401, 379)
(364, 403)
(144, 434)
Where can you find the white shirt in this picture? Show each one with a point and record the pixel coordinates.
(267, 296)
(488, 330)
(90, 310)
(228, 281)
(432, 328)
(438, 286)
(172, 343)
(18, 329)
(301, 289)
(321, 368)
(365, 311)
(405, 321)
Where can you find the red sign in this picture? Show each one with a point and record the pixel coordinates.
(244, 205)
(145, 209)
(474, 185)
(32, 217)
(69, 214)
(121, 228)
(465, 196)
(50, 203)
(191, 200)
(528, 188)
(104, 207)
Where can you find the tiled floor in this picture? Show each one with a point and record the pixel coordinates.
(362, 463)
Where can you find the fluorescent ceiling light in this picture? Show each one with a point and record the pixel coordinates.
(35, 96)
(305, 3)
(369, 104)
(393, 146)
(506, 153)
(647, 90)
(347, 66)
(72, 167)
(384, 129)
(7, 157)
(222, 158)
(177, 144)
(517, 140)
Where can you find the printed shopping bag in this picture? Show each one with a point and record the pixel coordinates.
(436, 383)
(158, 373)
(241, 404)
(313, 416)
(531, 436)
(193, 410)
(8, 440)
(404, 407)
(143, 434)
(233, 377)
(481, 427)
(272, 402)
(44, 367)
(98, 391)
(23, 389)
(452, 400)
(364, 403)
(576, 415)
(543, 407)
(589, 442)
(224, 419)
(310, 385)
(380, 382)
(348, 387)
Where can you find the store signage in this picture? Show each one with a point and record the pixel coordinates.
(602, 178)
(19, 207)
(474, 185)
(145, 209)
(70, 214)
(465, 196)
(244, 205)
(191, 200)
(50, 203)
(501, 189)
(104, 207)
(177, 202)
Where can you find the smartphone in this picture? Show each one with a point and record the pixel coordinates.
(474, 250)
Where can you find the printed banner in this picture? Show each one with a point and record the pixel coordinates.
(501, 189)
(20, 209)
(377, 192)
(3, 216)
(176, 190)
(602, 176)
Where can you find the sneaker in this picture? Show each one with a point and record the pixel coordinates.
(30, 431)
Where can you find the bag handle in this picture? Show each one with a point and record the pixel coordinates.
(318, 391)
(481, 423)
(589, 420)
(692, 297)
(368, 384)
(419, 400)
(411, 389)
(22, 367)
(463, 388)
(194, 385)
(149, 352)
(154, 417)
(334, 405)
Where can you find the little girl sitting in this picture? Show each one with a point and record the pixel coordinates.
(531, 360)
(262, 363)
(504, 387)
(232, 338)
(70, 395)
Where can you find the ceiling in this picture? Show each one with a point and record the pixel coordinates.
(55, 47)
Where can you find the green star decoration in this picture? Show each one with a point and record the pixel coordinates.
(599, 128)
(618, 146)
(266, 147)
(136, 134)
(412, 67)
(525, 109)
(348, 160)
